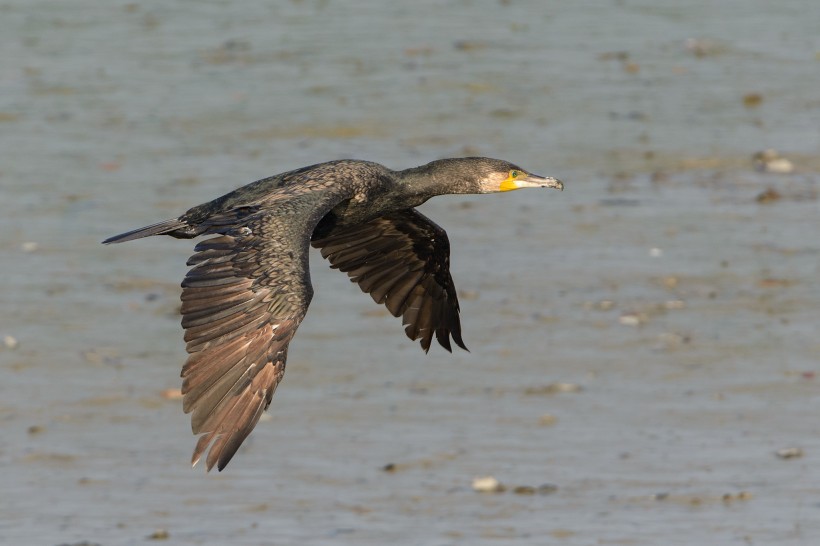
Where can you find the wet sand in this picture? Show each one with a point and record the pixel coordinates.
(644, 345)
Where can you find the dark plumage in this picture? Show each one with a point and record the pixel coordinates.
(249, 286)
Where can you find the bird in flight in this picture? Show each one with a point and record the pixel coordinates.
(249, 285)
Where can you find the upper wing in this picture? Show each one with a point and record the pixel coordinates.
(403, 260)
(242, 301)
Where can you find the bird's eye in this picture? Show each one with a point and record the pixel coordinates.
(513, 174)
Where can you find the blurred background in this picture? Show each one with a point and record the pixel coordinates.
(644, 345)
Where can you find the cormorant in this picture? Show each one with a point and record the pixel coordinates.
(249, 287)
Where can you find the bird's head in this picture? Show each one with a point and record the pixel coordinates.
(468, 175)
(495, 175)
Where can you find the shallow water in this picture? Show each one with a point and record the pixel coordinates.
(679, 307)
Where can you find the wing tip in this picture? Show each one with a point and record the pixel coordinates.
(160, 228)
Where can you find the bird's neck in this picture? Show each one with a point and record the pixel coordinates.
(419, 184)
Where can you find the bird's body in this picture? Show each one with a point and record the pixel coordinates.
(249, 287)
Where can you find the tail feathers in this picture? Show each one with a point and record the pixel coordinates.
(160, 228)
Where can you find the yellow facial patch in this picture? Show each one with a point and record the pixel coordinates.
(510, 183)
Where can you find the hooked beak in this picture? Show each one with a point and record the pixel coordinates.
(535, 181)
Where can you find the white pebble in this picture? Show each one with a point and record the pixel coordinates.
(630, 319)
(789, 453)
(487, 484)
(10, 342)
(779, 166)
(770, 161)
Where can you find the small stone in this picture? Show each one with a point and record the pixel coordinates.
(631, 319)
(468, 45)
(159, 534)
(29, 246)
(741, 496)
(468, 295)
(605, 305)
(10, 342)
(789, 453)
(632, 68)
(389, 467)
(487, 484)
(564, 387)
(171, 394)
(770, 161)
(780, 166)
(547, 420)
(553, 388)
(547, 488)
(752, 100)
(524, 490)
(33, 430)
(769, 195)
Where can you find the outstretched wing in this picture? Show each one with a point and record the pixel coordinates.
(242, 301)
(402, 260)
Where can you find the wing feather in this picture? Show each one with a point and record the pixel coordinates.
(242, 302)
(402, 260)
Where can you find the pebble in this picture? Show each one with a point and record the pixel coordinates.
(670, 281)
(789, 453)
(553, 388)
(487, 484)
(752, 100)
(159, 534)
(740, 496)
(35, 429)
(468, 295)
(602, 305)
(524, 490)
(171, 394)
(769, 195)
(631, 319)
(29, 246)
(605, 305)
(770, 161)
(10, 342)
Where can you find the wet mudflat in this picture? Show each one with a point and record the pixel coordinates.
(643, 345)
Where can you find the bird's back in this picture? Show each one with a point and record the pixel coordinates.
(305, 192)
(306, 183)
